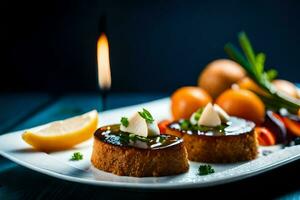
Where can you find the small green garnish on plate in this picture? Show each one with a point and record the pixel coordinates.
(146, 115)
(76, 156)
(124, 121)
(205, 170)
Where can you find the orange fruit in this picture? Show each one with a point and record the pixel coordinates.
(186, 100)
(219, 75)
(242, 103)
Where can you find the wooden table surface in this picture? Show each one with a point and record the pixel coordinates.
(21, 111)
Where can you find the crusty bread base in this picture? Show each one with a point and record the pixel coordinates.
(219, 149)
(130, 161)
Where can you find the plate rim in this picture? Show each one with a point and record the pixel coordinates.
(150, 186)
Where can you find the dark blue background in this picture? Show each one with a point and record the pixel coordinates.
(155, 45)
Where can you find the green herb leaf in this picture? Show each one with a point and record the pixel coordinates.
(76, 156)
(146, 115)
(197, 116)
(260, 62)
(124, 138)
(162, 139)
(141, 138)
(205, 170)
(236, 55)
(200, 110)
(254, 66)
(271, 74)
(184, 124)
(124, 121)
(134, 138)
(247, 48)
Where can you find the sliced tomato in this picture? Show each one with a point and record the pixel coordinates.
(292, 126)
(163, 125)
(264, 136)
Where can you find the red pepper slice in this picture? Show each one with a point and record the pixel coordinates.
(292, 126)
(264, 136)
(163, 125)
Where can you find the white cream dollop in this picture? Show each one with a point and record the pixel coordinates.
(209, 117)
(222, 114)
(139, 126)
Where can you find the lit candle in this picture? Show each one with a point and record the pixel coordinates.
(104, 75)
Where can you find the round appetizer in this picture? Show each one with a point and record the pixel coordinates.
(136, 148)
(212, 136)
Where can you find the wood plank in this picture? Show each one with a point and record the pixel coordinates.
(17, 107)
(75, 104)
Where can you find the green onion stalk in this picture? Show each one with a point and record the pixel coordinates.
(254, 66)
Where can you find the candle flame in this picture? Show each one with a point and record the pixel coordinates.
(104, 76)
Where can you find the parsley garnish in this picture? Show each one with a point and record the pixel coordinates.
(76, 156)
(198, 114)
(200, 110)
(162, 139)
(124, 121)
(186, 125)
(134, 138)
(146, 115)
(205, 170)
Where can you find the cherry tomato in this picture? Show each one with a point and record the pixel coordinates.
(264, 136)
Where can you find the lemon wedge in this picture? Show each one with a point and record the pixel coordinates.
(64, 134)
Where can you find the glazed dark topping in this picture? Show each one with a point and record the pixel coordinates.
(113, 135)
(235, 126)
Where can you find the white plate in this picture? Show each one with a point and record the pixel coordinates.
(58, 164)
